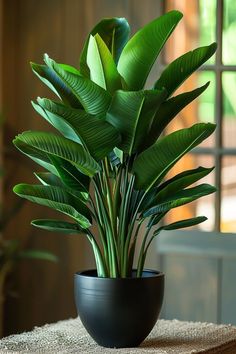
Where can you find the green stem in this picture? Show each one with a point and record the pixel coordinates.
(123, 214)
(124, 249)
(110, 203)
(113, 231)
(133, 247)
(110, 240)
(101, 267)
(98, 218)
(142, 253)
(144, 248)
(124, 178)
(116, 197)
(129, 236)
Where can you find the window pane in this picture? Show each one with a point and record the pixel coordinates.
(229, 104)
(206, 109)
(197, 28)
(228, 210)
(207, 24)
(203, 206)
(229, 30)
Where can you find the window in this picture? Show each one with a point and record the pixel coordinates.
(205, 22)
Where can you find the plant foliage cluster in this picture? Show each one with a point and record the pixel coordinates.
(109, 163)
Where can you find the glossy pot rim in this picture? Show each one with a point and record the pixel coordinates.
(90, 274)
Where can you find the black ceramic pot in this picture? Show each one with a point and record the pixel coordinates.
(121, 312)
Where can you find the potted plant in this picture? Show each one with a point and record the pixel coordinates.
(109, 165)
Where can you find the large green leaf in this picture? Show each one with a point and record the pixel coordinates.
(97, 136)
(93, 98)
(51, 144)
(58, 226)
(178, 224)
(102, 67)
(114, 32)
(141, 51)
(36, 155)
(48, 179)
(53, 81)
(168, 110)
(180, 181)
(182, 224)
(70, 175)
(181, 68)
(69, 68)
(173, 185)
(131, 113)
(153, 164)
(56, 198)
(56, 121)
(180, 198)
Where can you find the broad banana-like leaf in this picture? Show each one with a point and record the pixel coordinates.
(48, 179)
(70, 175)
(180, 198)
(181, 224)
(131, 113)
(114, 32)
(93, 98)
(141, 51)
(57, 122)
(169, 110)
(152, 165)
(36, 155)
(103, 70)
(179, 182)
(97, 136)
(173, 185)
(58, 226)
(53, 81)
(58, 146)
(69, 68)
(181, 68)
(56, 198)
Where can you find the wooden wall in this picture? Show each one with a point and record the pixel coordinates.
(44, 291)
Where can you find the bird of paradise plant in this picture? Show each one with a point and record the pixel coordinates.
(109, 162)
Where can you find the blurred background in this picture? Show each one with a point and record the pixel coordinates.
(200, 265)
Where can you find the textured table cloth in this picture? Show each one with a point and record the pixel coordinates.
(167, 337)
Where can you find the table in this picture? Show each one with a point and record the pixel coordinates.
(167, 337)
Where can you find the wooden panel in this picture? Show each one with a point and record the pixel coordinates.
(44, 291)
(1, 53)
(228, 291)
(191, 288)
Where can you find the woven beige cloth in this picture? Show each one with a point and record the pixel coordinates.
(167, 337)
